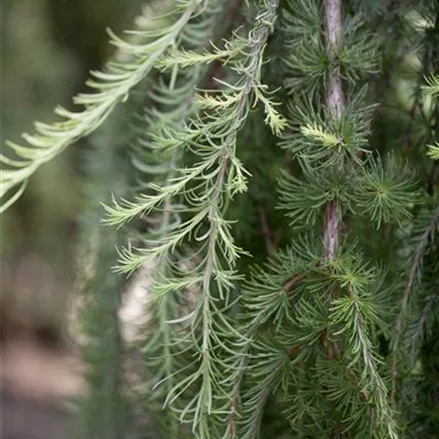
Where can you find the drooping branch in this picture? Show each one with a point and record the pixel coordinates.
(108, 88)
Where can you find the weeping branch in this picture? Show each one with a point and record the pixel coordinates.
(110, 87)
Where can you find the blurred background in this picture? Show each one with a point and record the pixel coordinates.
(47, 49)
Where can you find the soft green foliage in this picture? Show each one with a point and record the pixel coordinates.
(293, 133)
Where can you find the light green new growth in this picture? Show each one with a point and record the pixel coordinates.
(317, 133)
(186, 58)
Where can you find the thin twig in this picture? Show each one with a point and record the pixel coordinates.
(266, 231)
(292, 282)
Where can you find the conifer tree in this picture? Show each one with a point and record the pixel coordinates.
(283, 186)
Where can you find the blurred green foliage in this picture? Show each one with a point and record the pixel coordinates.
(48, 48)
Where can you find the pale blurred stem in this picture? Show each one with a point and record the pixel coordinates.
(332, 20)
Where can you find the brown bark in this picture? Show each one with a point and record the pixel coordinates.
(332, 19)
